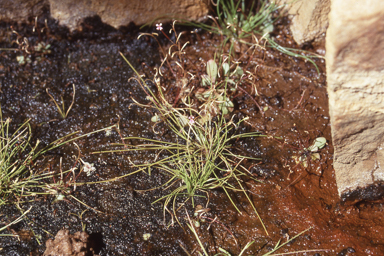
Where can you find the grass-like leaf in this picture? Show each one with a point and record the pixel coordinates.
(18, 175)
(199, 160)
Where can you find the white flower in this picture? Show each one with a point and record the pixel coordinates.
(88, 168)
(108, 131)
(159, 26)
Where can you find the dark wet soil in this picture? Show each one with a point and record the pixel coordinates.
(290, 199)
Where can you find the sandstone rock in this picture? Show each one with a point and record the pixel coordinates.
(114, 12)
(309, 19)
(121, 12)
(355, 73)
(21, 10)
(66, 244)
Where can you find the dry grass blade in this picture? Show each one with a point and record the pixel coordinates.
(62, 111)
(14, 222)
(270, 253)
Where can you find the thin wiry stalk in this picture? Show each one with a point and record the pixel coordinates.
(62, 111)
(190, 226)
(14, 222)
(270, 253)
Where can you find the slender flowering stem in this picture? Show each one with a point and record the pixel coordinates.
(159, 27)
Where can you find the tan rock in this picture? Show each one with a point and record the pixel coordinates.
(355, 73)
(66, 244)
(21, 10)
(113, 12)
(309, 19)
(121, 12)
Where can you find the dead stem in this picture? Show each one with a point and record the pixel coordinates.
(221, 224)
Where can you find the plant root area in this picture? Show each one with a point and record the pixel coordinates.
(284, 99)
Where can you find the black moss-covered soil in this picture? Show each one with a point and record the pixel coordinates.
(290, 199)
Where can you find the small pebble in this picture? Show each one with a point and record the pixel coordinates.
(146, 236)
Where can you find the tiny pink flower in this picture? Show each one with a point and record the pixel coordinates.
(191, 120)
(159, 26)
